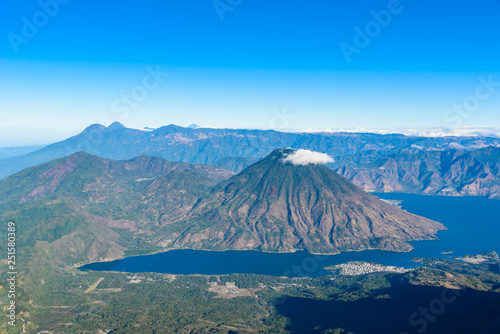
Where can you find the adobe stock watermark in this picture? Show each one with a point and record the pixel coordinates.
(122, 106)
(461, 111)
(12, 273)
(31, 26)
(421, 319)
(363, 36)
(223, 6)
(308, 266)
(282, 119)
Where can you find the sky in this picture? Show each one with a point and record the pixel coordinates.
(302, 65)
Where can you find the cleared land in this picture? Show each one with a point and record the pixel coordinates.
(95, 285)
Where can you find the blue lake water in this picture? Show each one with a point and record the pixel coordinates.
(473, 227)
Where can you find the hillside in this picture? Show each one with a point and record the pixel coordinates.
(83, 208)
(451, 172)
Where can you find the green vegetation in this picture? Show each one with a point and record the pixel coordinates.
(159, 303)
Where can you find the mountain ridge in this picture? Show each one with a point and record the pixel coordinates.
(452, 172)
(356, 155)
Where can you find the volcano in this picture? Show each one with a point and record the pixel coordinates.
(290, 201)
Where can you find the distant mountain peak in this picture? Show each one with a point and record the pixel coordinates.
(94, 127)
(81, 154)
(116, 126)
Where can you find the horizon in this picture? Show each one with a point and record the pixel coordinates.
(479, 132)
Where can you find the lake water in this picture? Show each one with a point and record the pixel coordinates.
(473, 227)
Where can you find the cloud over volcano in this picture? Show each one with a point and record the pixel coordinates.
(305, 157)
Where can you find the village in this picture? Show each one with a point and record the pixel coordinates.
(362, 268)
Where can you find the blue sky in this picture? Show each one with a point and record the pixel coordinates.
(246, 64)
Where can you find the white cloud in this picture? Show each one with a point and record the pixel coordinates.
(464, 131)
(305, 157)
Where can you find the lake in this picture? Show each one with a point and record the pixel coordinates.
(473, 227)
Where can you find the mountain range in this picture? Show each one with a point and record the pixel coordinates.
(450, 172)
(443, 165)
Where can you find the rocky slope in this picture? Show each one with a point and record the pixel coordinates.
(450, 172)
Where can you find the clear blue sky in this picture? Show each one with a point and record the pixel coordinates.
(64, 68)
